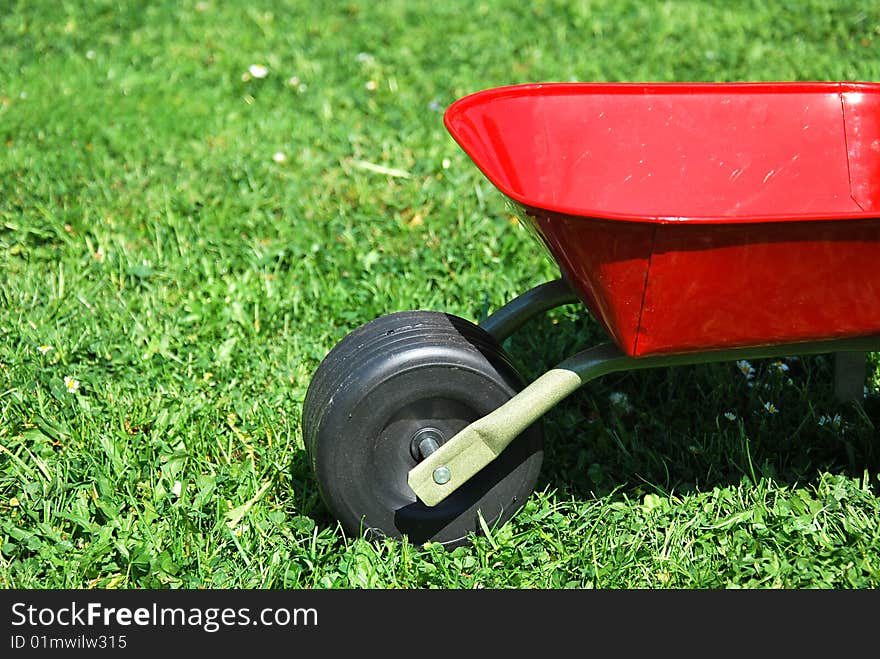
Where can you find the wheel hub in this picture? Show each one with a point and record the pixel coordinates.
(424, 442)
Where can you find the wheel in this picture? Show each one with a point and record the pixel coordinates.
(380, 393)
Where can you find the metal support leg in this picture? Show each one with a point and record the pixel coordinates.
(850, 369)
(482, 441)
(521, 309)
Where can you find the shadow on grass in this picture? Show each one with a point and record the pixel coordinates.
(692, 428)
(303, 482)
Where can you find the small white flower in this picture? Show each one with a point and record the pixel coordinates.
(730, 416)
(621, 400)
(371, 85)
(43, 349)
(771, 408)
(279, 157)
(70, 384)
(446, 163)
(746, 369)
(293, 81)
(258, 71)
(175, 489)
(90, 54)
(238, 531)
(781, 366)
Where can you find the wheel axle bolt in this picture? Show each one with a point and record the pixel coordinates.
(427, 446)
(425, 442)
(442, 475)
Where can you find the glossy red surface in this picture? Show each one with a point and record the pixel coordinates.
(605, 261)
(691, 217)
(737, 285)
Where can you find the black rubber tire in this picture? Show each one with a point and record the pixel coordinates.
(379, 386)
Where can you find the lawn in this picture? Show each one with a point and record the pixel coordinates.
(198, 200)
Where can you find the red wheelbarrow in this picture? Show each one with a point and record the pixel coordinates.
(698, 223)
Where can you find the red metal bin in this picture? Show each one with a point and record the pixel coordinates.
(696, 216)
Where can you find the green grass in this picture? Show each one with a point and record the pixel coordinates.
(191, 284)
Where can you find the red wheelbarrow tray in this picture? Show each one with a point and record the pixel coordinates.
(699, 216)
